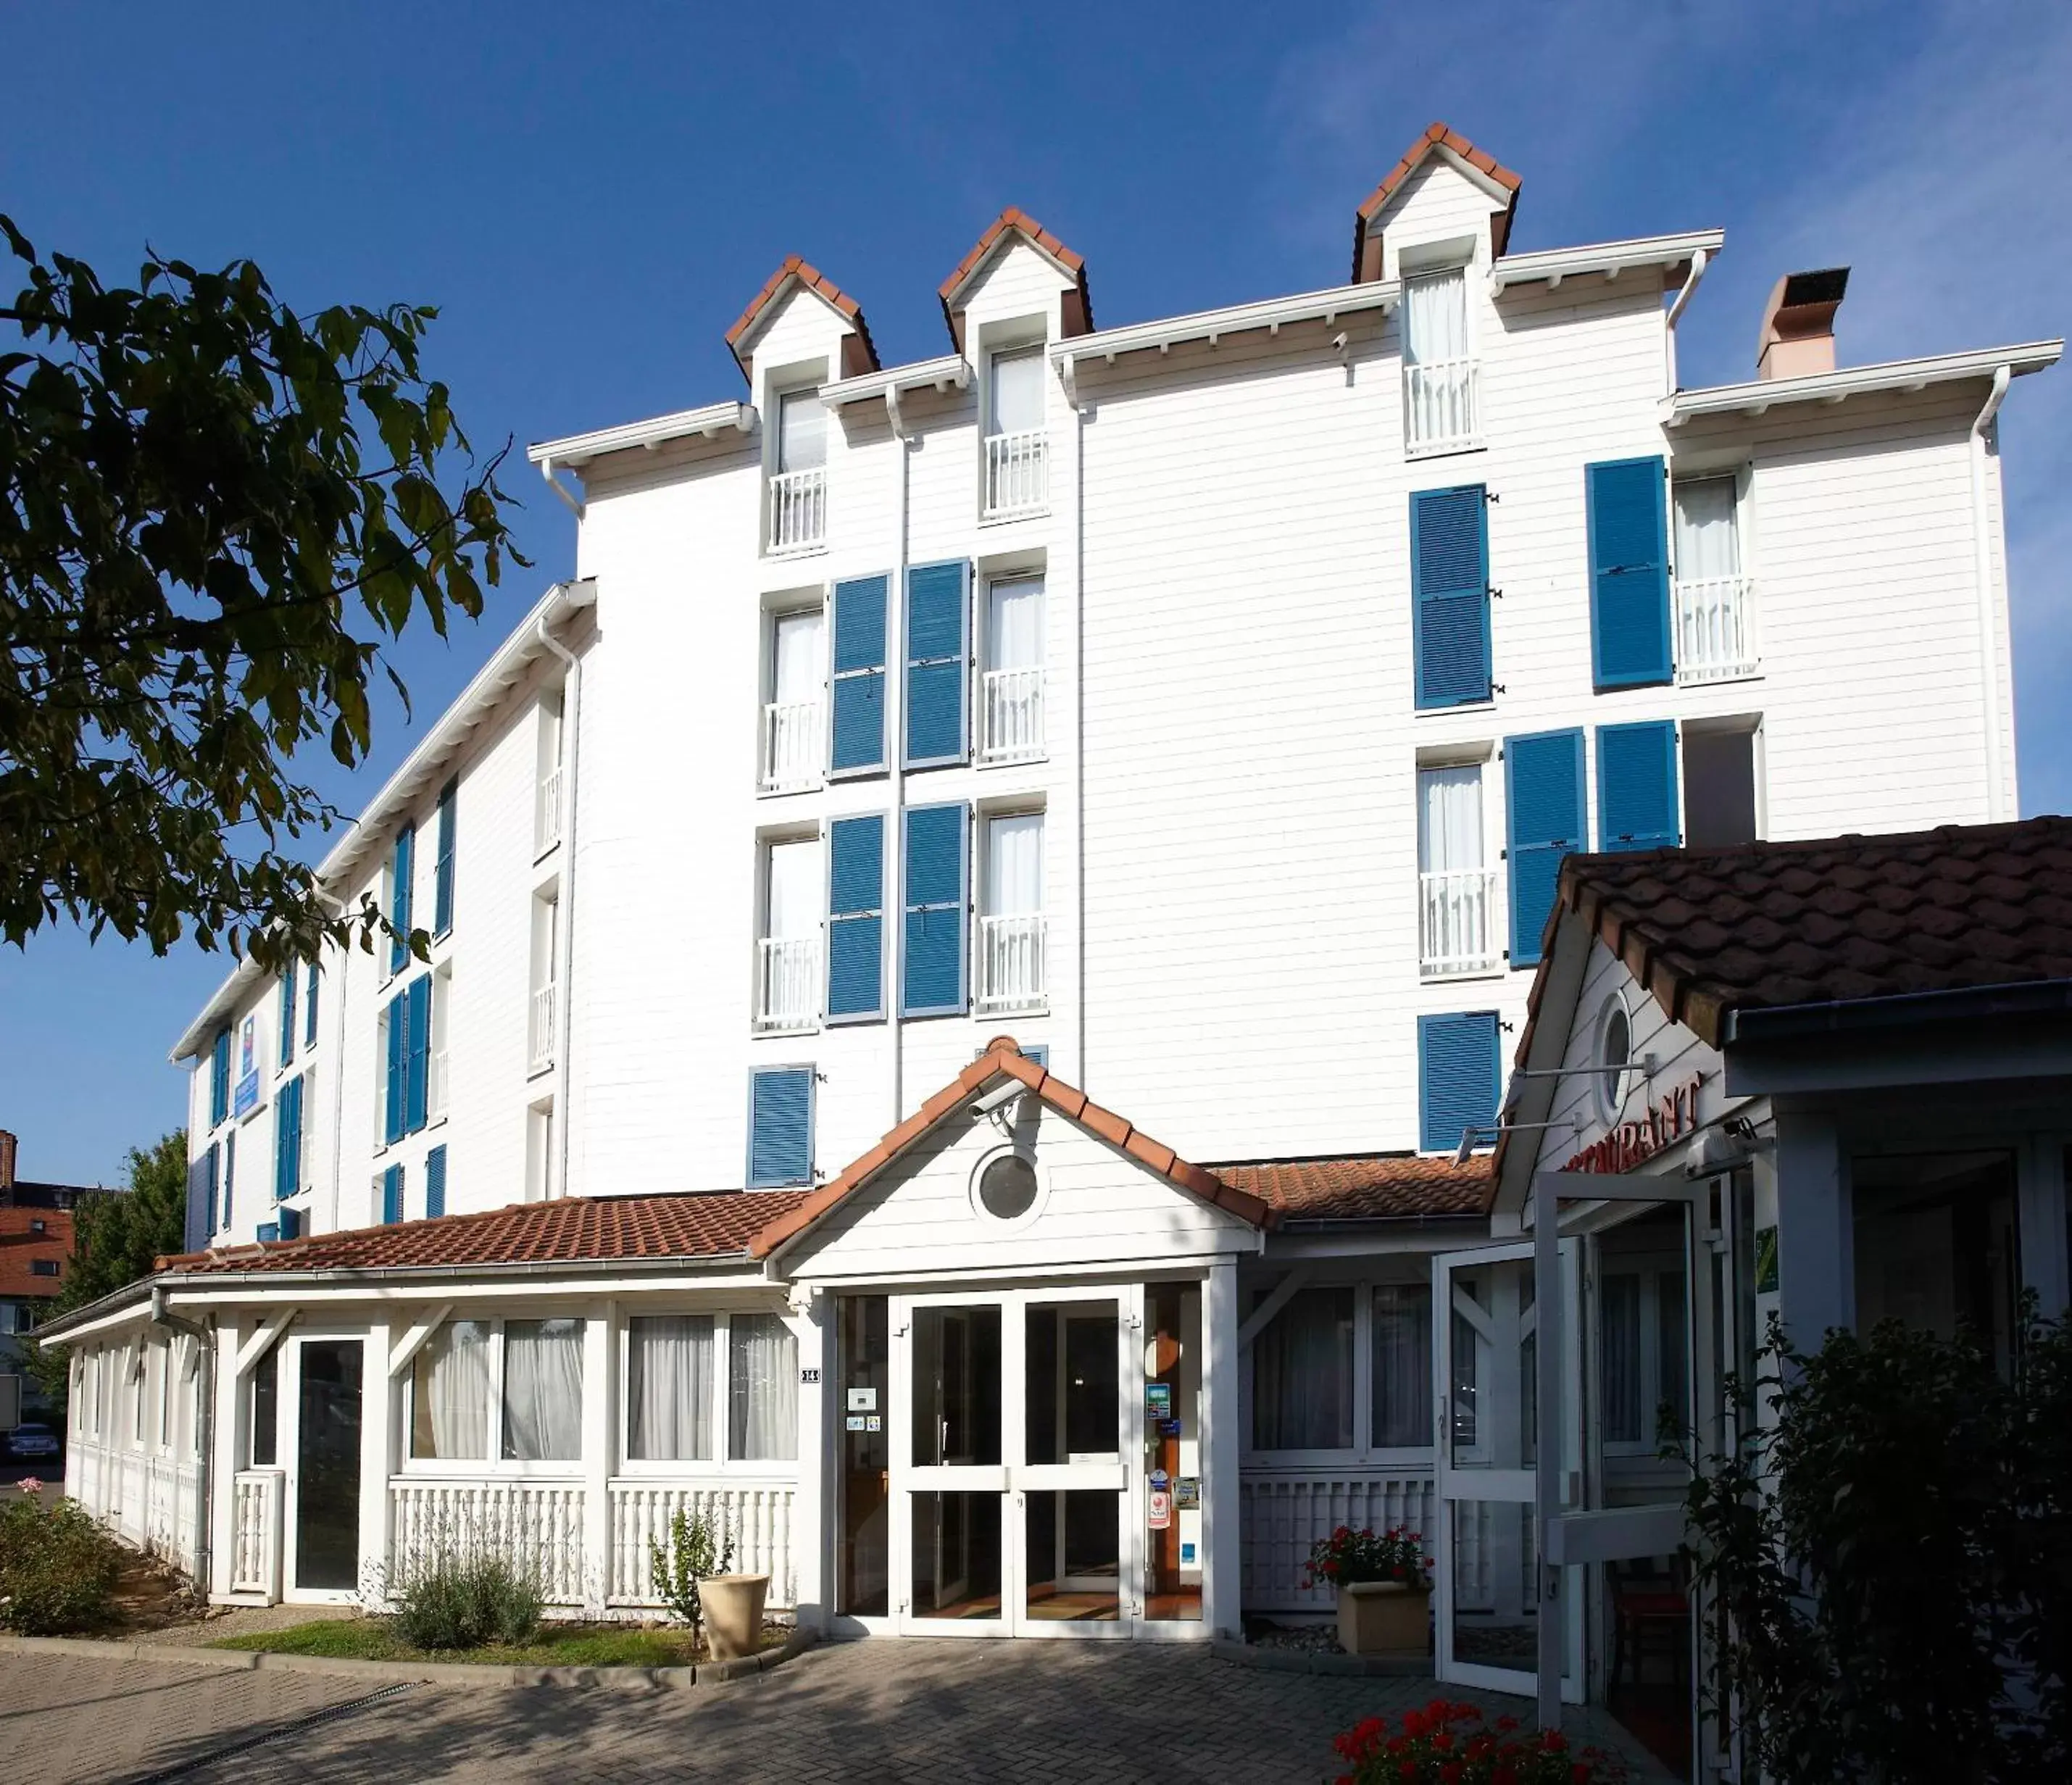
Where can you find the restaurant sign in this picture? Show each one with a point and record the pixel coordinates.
(1626, 1146)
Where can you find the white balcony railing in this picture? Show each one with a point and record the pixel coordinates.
(547, 818)
(543, 1027)
(1011, 716)
(792, 753)
(787, 984)
(1018, 468)
(1716, 629)
(1454, 933)
(798, 509)
(1441, 409)
(1010, 963)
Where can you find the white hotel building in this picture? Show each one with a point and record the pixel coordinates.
(1207, 702)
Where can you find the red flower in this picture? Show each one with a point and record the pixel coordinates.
(1579, 1775)
(1406, 1770)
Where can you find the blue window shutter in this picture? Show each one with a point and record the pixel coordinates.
(392, 1104)
(937, 609)
(219, 1081)
(1543, 777)
(856, 737)
(309, 1009)
(1630, 629)
(1040, 1053)
(288, 1140)
(229, 1171)
(417, 1057)
(1637, 787)
(1449, 589)
(400, 868)
(197, 1235)
(443, 895)
(288, 1224)
(780, 1128)
(287, 1016)
(392, 1195)
(931, 976)
(1457, 1071)
(435, 1183)
(208, 1202)
(856, 918)
(271, 1229)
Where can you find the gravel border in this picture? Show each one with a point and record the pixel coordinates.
(1294, 1660)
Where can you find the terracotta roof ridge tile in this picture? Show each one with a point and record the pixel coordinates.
(1437, 135)
(1016, 221)
(797, 266)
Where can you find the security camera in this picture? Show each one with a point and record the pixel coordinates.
(999, 1097)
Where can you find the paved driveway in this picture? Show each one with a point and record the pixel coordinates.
(914, 1712)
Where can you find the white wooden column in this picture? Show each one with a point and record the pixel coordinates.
(812, 1534)
(377, 1458)
(600, 1442)
(226, 1445)
(2039, 1173)
(1221, 1579)
(1815, 1245)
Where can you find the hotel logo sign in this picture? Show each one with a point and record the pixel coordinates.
(1626, 1146)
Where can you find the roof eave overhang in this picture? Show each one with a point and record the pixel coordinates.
(1760, 395)
(1754, 1025)
(952, 372)
(1271, 314)
(578, 450)
(1606, 260)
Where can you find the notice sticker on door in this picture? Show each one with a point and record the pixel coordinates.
(1158, 1399)
(863, 1401)
(854, 1423)
(872, 1423)
(1161, 1513)
(1187, 1492)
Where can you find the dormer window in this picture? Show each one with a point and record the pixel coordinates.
(798, 486)
(1017, 446)
(1441, 406)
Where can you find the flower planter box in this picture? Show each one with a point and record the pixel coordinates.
(1384, 1618)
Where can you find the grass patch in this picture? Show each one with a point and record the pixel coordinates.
(572, 1646)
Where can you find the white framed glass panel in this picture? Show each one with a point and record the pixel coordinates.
(543, 1385)
(801, 432)
(1706, 546)
(1017, 390)
(797, 657)
(449, 1395)
(1402, 1365)
(1015, 623)
(797, 894)
(1014, 864)
(671, 1380)
(1302, 1375)
(762, 1389)
(1449, 819)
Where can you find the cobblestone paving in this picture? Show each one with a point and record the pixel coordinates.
(912, 1712)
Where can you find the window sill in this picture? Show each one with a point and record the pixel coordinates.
(1450, 448)
(777, 1031)
(1013, 761)
(786, 553)
(1725, 680)
(539, 1069)
(1488, 705)
(1007, 517)
(1464, 976)
(789, 789)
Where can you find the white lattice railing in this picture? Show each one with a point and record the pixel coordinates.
(543, 1027)
(1011, 715)
(1016, 472)
(1440, 408)
(534, 1524)
(1716, 629)
(758, 1515)
(1282, 1513)
(1454, 933)
(547, 818)
(144, 1497)
(255, 1532)
(798, 509)
(1010, 962)
(787, 984)
(791, 748)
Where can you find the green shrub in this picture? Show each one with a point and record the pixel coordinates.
(467, 1602)
(57, 1567)
(700, 1546)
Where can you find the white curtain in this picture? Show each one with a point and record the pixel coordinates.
(796, 670)
(1403, 1363)
(1449, 819)
(1015, 623)
(1014, 864)
(801, 432)
(1302, 1375)
(1017, 390)
(1435, 312)
(795, 892)
(449, 1395)
(543, 1383)
(671, 1366)
(762, 1389)
(1706, 546)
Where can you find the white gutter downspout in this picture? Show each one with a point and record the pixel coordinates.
(1700, 260)
(1068, 379)
(576, 596)
(895, 725)
(574, 507)
(1988, 612)
(205, 1340)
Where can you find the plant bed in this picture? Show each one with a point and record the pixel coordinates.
(555, 1645)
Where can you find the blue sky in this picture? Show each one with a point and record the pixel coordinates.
(590, 195)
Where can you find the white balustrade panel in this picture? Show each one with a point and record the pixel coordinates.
(757, 1514)
(798, 509)
(1011, 715)
(1016, 472)
(1283, 1514)
(534, 1524)
(547, 822)
(543, 1027)
(792, 752)
(1454, 934)
(145, 1498)
(1716, 629)
(1011, 972)
(1440, 407)
(255, 1532)
(787, 984)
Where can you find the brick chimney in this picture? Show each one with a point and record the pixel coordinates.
(6, 1164)
(1798, 339)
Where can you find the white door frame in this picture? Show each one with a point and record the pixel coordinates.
(288, 1396)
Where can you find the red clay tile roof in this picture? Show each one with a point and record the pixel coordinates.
(1962, 907)
(1378, 1187)
(797, 267)
(574, 1229)
(1003, 1055)
(1078, 315)
(20, 1244)
(1366, 255)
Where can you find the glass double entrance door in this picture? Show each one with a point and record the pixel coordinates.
(1009, 1489)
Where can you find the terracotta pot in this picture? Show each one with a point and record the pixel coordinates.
(734, 1613)
(1384, 1618)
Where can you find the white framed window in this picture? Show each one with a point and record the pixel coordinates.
(793, 752)
(787, 964)
(1613, 1055)
(1011, 683)
(438, 1091)
(1716, 631)
(548, 802)
(504, 1391)
(799, 481)
(718, 1389)
(1441, 379)
(539, 1150)
(1016, 442)
(1342, 1374)
(1458, 922)
(1012, 972)
(541, 1033)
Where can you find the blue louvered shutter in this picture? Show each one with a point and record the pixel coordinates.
(309, 1009)
(1637, 787)
(857, 738)
(288, 1141)
(401, 867)
(417, 1056)
(932, 979)
(197, 1234)
(208, 1196)
(229, 1173)
(1457, 1071)
(443, 891)
(287, 1016)
(856, 918)
(219, 1079)
(938, 607)
(288, 1224)
(780, 1128)
(1450, 588)
(435, 1183)
(271, 1229)
(1630, 628)
(392, 1195)
(1544, 790)
(392, 1103)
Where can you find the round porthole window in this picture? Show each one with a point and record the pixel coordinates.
(1614, 1056)
(1007, 1188)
